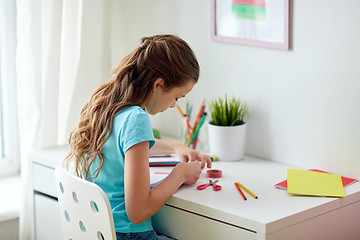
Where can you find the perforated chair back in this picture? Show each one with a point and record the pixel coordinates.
(84, 208)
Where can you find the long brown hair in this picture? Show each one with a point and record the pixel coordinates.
(130, 84)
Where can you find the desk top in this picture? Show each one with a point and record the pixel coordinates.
(49, 157)
(273, 210)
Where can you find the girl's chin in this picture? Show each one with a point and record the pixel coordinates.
(154, 112)
(159, 112)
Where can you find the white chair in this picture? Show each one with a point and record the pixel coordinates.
(84, 208)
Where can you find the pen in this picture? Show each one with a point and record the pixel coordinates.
(242, 194)
(247, 190)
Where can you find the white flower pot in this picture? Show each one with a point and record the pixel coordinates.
(227, 143)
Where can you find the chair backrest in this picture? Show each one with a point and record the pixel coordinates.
(84, 208)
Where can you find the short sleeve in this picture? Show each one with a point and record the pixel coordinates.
(136, 129)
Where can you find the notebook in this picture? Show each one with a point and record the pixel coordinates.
(345, 180)
(304, 182)
(163, 160)
(157, 178)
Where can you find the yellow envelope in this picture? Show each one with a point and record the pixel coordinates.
(305, 182)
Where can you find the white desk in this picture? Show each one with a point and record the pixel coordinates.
(206, 214)
(192, 214)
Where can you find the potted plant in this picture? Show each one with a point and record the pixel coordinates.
(227, 128)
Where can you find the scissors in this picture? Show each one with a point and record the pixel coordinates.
(215, 186)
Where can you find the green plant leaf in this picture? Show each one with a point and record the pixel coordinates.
(228, 112)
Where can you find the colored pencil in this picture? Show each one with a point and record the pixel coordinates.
(181, 112)
(198, 128)
(247, 190)
(196, 138)
(187, 125)
(242, 194)
(196, 123)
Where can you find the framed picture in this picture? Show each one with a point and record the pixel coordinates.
(261, 23)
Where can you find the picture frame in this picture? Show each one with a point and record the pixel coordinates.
(259, 23)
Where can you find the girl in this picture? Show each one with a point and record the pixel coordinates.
(114, 137)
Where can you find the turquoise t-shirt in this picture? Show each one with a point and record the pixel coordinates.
(131, 125)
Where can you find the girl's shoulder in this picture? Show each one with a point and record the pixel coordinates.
(131, 112)
(128, 110)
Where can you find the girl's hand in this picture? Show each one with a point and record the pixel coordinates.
(190, 171)
(187, 154)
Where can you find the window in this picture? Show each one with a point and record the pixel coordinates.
(9, 145)
(1, 124)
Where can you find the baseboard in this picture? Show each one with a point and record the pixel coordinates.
(9, 230)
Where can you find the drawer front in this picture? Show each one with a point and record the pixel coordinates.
(341, 223)
(47, 218)
(44, 179)
(185, 225)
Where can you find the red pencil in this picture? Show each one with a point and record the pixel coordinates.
(237, 186)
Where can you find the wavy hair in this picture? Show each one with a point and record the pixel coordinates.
(130, 84)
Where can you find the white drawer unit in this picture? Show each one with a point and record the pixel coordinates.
(46, 224)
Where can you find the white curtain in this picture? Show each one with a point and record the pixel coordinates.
(60, 61)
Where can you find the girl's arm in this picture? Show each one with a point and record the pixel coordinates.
(141, 202)
(163, 147)
(185, 153)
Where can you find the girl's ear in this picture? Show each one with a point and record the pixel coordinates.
(158, 84)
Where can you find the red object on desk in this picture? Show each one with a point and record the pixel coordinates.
(214, 173)
(211, 183)
(345, 180)
(238, 188)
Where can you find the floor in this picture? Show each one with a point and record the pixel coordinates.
(9, 230)
(10, 200)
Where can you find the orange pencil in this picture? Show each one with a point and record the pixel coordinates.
(181, 112)
(237, 186)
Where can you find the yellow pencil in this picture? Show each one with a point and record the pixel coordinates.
(247, 190)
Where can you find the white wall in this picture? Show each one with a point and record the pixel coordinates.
(304, 103)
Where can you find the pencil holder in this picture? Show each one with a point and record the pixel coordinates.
(190, 133)
(186, 130)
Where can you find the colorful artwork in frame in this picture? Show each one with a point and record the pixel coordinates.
(262, 23)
